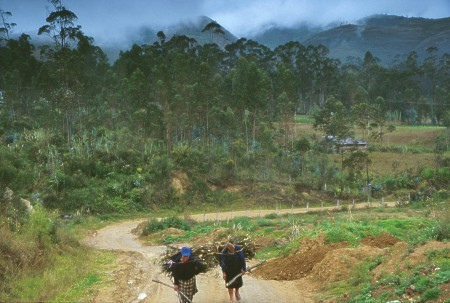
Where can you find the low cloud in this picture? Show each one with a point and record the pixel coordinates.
(114, 20)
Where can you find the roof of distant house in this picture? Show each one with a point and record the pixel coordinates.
(346, 141)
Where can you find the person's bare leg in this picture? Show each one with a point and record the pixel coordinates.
(230, 292)
(237, 294)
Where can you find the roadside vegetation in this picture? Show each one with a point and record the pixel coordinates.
(42, 258)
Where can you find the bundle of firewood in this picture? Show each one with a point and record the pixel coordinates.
(208, 254)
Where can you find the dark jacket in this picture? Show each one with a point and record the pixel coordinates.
(185, 271)
(232, 263)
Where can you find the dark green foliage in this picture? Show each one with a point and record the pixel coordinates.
(198, 191)
(271, 216)
(441, 229)
(15, 212)
(398, 182)
(154, 225)
(430, 294)
(439, 177)
(191, 160)
(87, 135)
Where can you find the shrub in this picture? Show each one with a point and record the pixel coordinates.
(271, 216)
(159, 170)
(154, 225)
(337, 234)
(16, 213)
(442, 230)
(7, 173)
(176, 222)
(264, 222)
(228, 170)
(423, 283)
(439, 177)
(189, 159)
(430, 294)
(41, 228)
(79, 198)
(241, 223)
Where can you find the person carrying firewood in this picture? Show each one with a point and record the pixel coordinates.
(232, 262)
(184, 273)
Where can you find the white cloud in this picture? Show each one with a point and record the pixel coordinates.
(113, 19)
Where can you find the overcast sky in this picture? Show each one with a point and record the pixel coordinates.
(111, 19)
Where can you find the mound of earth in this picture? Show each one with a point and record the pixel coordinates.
(139, 228)
(264, 242)
(381, 241)
(327, 262)
(180, 182)
(298, 265)
(400, 259)
(340, 264)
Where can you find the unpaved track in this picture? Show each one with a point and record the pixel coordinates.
(138, 267)
(132, 282)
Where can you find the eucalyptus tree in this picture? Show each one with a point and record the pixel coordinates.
(62, 30)
(208, 91)
(136, 98)
(333, 119)
(370, 65)
(214, 29)
(430, 68)
(357, 164)
(289, 53)
(161, 36)
(286, 90)
(214, 57)
(19, 70)
(319, 74)
(335, 122)
(290, 57)
(443, 90)
(366, 116)
(129, 61)
(251, 50)
(350, 88)
(251, 90)
(401, 84)
(6, 27)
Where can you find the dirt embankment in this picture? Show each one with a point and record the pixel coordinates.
(327, 263)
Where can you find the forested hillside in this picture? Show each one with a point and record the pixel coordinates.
(80, 134)
(387, 37)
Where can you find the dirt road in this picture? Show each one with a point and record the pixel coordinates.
(131, 281)
(228, 215)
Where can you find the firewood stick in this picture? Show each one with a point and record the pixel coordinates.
(247, 270)
(168, 285)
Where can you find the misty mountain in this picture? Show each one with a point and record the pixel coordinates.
(191, 28)
(275, 36)
(385, 36)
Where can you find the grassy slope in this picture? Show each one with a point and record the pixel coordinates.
(414, 146)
